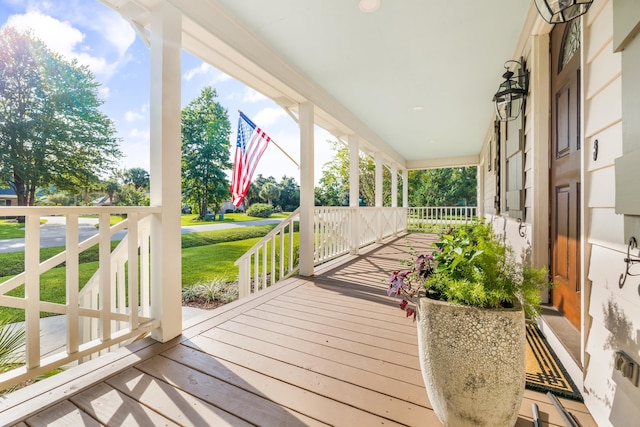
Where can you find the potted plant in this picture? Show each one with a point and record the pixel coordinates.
(471, 296)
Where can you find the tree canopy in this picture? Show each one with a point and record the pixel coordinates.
(443, 187)
(431, 187)
(51, 128)
(285, 194)
(334, 184)
(205, 152)
(137, 177)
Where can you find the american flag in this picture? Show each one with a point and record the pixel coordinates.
(252, 142)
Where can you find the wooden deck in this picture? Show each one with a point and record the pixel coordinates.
(327, 350)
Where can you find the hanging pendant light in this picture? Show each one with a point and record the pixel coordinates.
(512, 92)
(559, 11)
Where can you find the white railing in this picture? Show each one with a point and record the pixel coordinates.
(114, 306)
(439, 219)
(278, 247)
(333, 237)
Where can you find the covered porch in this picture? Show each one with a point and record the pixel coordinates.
(331, 349)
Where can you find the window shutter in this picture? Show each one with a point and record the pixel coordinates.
(514, 156)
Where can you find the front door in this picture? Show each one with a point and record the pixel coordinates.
(565, 169)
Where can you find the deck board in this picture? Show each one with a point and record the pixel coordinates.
(326, 366)
(112, 407)
(332, 341)
(331, 349)
(342, 358)
(173, 403)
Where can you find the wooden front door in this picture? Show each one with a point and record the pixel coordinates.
(565, 169)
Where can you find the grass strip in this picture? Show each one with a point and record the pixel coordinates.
(11, 230)
(12, 263)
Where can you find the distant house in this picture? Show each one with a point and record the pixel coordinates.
(8, 197)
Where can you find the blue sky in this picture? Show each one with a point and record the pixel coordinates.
(97, 37)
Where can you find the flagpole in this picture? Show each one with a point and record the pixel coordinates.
(283, 152)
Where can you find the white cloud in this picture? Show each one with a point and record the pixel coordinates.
(59, 36)
(132, 116)
(104, 92)
(268, 116)
(205, 69)
(62, 37)
(139, 135)
(252, 96)
(118, 32)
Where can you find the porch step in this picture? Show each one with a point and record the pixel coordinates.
(564, 339)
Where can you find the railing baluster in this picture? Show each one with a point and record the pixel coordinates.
(282, 253)
(105, 277)
(32, 290)
(145, 267)
(263, 283)
(72, 283)
(133, 270)
(273, 260)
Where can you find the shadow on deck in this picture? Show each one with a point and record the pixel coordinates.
(328, 350)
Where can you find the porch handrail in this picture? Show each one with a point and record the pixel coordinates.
(334, 236)
(282, 234)
(117, 310)
(432, 219)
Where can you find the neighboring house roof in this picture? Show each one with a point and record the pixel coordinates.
(7, 193)
(101, 201)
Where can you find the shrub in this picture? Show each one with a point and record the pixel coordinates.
(260, 210)
(471, 266)
(218, 289)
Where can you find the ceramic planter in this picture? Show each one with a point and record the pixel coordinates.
(473, 362)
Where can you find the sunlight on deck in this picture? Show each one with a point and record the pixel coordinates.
(327, 350)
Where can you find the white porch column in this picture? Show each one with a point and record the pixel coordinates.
(305, 115)
(405, 188)
(166, 264)
(394, 185)
(379, 181)
(354, 170)
(480, 191)
(354, 192)
(379, 166)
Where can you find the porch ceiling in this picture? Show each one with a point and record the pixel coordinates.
(414, 79)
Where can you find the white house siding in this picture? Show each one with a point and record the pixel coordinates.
(611, 312)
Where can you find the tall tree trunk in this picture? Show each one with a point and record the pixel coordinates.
(86, 196)
(32, 195)
(18, 185)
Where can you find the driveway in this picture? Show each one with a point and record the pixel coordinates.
(52, 233)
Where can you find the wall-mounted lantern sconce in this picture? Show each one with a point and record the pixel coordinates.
(512, 92)
(559, 11)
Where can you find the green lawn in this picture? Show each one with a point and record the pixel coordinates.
(192, 219)
(10, 230)
(205, 256)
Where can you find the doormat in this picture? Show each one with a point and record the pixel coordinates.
(545, 373)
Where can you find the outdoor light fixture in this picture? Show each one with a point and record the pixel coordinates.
(559, 11)
(512, 92)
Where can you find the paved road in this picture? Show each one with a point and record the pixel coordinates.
(52, 233)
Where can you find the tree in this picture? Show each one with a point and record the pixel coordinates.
(129, 196)
(137, 177)
(443, 187)
(269, 191)
(334, 184)
(51, 128)
(111, 187)
(289, 199)
(205, 152)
